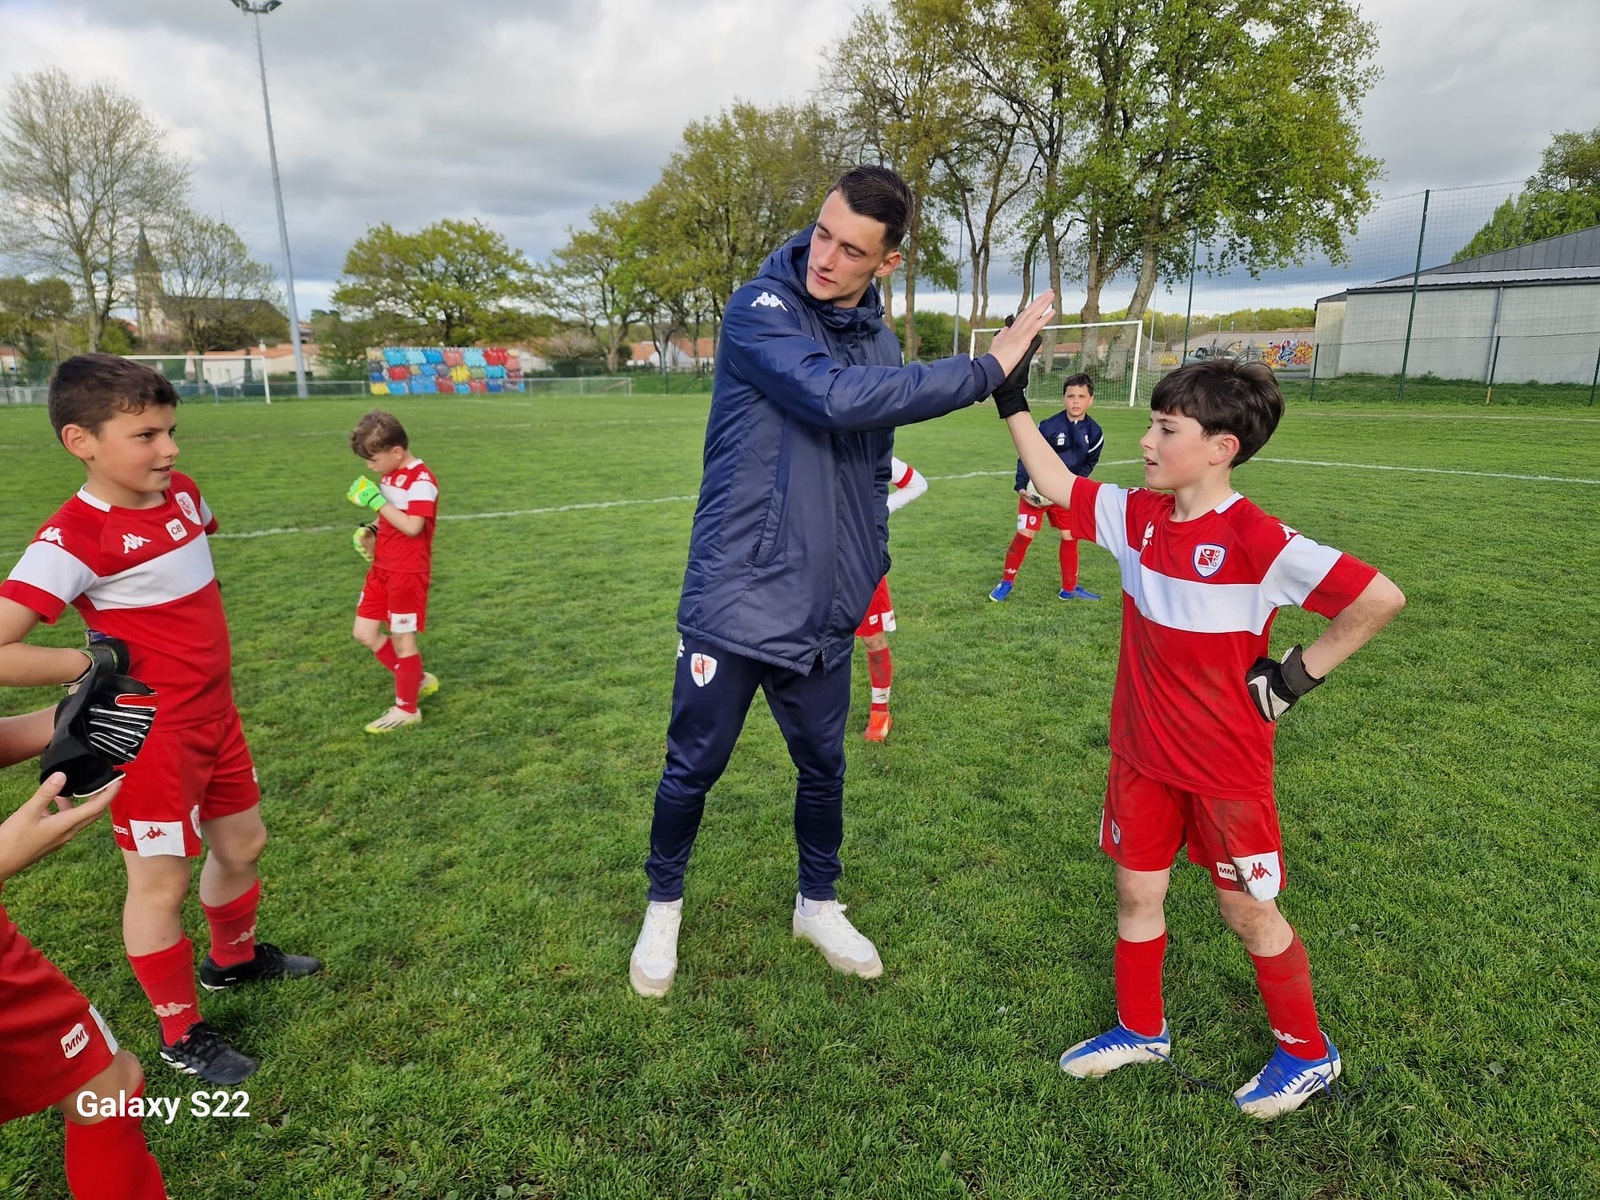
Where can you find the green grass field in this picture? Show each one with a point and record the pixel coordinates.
(475, 885)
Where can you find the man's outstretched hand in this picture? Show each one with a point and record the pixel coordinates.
(1014, 344)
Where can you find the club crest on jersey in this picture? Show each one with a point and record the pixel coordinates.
(187, 507)
(768, 300)
(177, 529)
(702, 669)
(1208, 558)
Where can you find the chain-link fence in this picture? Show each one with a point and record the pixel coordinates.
(1415, 305)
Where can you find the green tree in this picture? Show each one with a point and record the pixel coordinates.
(30, 312)
(216, 295)
(82, 169)
(445, 284)
(597, 279)
(1563, 196)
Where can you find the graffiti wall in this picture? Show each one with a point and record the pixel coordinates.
(443, 370)
(1287, 353)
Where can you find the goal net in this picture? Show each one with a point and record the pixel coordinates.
(216, 375)
(1109, 352)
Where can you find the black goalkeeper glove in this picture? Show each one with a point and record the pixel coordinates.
(1011, 397)
(1275, 686)
(100, 726)
(107, 655)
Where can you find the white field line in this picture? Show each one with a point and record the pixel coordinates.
(1123, 462)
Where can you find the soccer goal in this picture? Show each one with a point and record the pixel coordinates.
(1109, 352)
(218, 375)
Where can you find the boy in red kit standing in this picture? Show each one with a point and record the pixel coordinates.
(878, 624)
(58, 1052)
(1197, 700)
(130, 553)
(406, 501)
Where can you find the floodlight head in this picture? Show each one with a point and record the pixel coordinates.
(245, 6)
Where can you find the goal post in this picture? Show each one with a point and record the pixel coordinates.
(221, 375)
(1109, 352)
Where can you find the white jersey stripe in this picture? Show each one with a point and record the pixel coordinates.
(1297, 571)
(180, 572)
(51, 569)
(1198, 606)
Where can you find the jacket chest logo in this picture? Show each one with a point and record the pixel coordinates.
(1061, 439)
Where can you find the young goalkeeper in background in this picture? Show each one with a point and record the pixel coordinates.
(1196, 702)
(406, 501)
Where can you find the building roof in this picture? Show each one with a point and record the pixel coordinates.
(1569, 258)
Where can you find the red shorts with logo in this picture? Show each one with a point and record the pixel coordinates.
(182, 777)
(880, 613)
(1146, 821)
(1031, 519)
(52, 1041)
(397, 598)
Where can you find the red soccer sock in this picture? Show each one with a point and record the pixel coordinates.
(110, 1160)
(233, 928)
(386, 655)
(1138, 977)
(408, 682)
(880, 669)
(1285, 983)
(1015, 553)
(167, 977)
(1069, 564)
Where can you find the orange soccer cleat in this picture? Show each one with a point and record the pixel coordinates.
(878, 725)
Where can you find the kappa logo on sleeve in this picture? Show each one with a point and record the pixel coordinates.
(50, 534)
(768, 300)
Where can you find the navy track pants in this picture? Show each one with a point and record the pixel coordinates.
(711, 696)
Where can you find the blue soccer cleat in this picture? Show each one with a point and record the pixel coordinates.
(1001, 590)
(1116, 1047)
(1078, 593)
(1287, 1082)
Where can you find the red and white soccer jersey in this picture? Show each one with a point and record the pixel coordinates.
(145, 576)
(412, 489)
(1198, 599)
(52, 1041)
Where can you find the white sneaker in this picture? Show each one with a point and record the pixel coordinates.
(655, 954)
(841, 943)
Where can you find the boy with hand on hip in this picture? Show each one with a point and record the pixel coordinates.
(129, 551)
(1196, 701)
(1076, 438)
(406, 502)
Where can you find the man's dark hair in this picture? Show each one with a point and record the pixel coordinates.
(378, 431)
(89, 389)
(1078, 380)
(879, 193)
(1225, 396)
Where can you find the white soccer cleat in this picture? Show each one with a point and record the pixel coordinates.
(655, 954)
(841, 943)
(1117, 1047)
(395, 718)
(1287, 1082)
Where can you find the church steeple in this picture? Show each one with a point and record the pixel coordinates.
(146, 287)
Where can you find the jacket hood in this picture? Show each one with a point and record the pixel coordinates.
(787, 265)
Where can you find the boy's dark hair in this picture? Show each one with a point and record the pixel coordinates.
(879, 193)
(89, 389)
(1225, 396)
(376, 431)
(1078, 380)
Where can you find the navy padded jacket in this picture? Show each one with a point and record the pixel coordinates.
(791, 534)
(1076, 443)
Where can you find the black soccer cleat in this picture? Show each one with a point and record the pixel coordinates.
(206, 1052)
(269, 963)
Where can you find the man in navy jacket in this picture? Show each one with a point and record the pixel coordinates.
(791, 537)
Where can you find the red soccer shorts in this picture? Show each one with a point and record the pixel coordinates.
(1031, 519)
(52, 1041)
(880, 613)
(1237, 841)
(399, 598)
(182, 777)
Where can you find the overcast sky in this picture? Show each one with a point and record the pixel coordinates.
(527, 113)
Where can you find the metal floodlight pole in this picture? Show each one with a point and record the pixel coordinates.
(256, 10)
(955, 321)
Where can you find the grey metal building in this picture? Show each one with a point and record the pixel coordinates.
(1529, 314)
